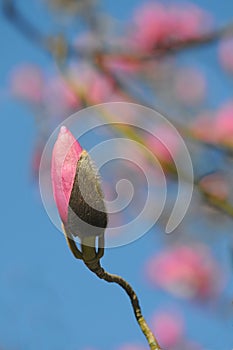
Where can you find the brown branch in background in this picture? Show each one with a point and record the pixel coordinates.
(221, 205)
(21, 23)
(59, 48)
(176, 45)
(207, 38)
(169, 47)
(55, 45)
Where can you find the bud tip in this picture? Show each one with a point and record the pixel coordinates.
(63, 129)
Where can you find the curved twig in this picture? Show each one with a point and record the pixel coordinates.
(101, 273)
(92, 261)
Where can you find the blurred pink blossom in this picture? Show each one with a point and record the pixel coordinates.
(215, 185)
(90, 42)
(189, 21)
(216, 126)
(131, 347)
(27, 83)
(186, 271)
(152, 25)
(166, 149)
(226, 54)
(157, 23)
(59, 96)
(126, 65)
(223, 126)
(91, 84)
(189, 86)
(201, 126)
(169, 328)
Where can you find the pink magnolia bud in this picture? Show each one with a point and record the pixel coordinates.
(76, 188)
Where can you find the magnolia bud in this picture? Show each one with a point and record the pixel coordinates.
(76, 188)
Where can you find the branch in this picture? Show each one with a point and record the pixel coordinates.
(222, 205)
(207, 38)
(101, 273)
(59, 47)
(92, 260)
(23, 25)
(167, 47)
(55, 45)
(175, 45)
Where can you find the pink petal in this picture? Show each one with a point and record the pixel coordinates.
(66, 153)
(224, 123)
(27, 83)
(131, 347)
(186, 271)
(189, 86)
(226, 54)
(169, 328)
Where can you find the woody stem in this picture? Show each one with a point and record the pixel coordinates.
(91, 260)
(95, 267)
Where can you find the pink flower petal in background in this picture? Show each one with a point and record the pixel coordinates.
(215, 185)
(91, 84)
(186, 271)
(131, 347)
(223, 126)
(166, 149)
(226, 54)
(152, 25)
(27, 83)
(59, 96)
(189, 86)
(201, 127)
(189, 21)
(100, 88)
(117, 64)
(90, 42)
(157, 23)
(66, 153)
(169, 328)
